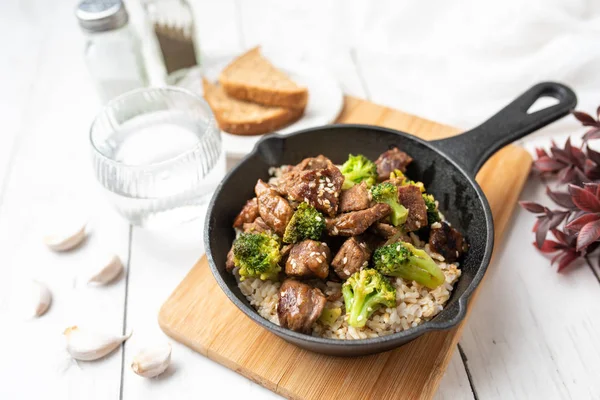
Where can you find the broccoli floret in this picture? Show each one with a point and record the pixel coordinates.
(257, 255)
(364, 292)
(433, 215)
(330, 315)
(358, 169)
(398, 176)
(306, 223)
(404, 260)
(387, 193)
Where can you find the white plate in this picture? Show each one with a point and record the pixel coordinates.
(325, 99)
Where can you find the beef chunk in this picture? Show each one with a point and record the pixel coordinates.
(388, 232)
(299, 305)
(273, 209)
(391, 160)
(356, 222)
(248, 214)
(229, 264)
(258, 226)
(308, 259)
(318, 162)
(354, 199)
(411, 198)
(448, 242)
(353, 255)
(319, 187)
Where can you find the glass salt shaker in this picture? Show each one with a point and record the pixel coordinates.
(112, 50)
(172, 22)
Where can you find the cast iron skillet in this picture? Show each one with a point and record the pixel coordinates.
(447, 167)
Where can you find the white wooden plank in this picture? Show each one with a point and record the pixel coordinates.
(533, 332)
(51, 169)
(455, 383)
(159, 261)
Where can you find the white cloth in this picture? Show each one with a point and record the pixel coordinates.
(455, 62)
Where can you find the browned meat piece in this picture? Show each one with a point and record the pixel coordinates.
(308, 259)
(318, 162)
(318, 187)
(388, 231)
(448, 242)
(410, 197)
(391, 160)
(229, 264)
(353, 255)
(356, 222)
(299, 305)
(273, 209)
(258, 226)
(354, 199)
(248, 214)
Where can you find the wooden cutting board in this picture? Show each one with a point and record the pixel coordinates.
(199, 315)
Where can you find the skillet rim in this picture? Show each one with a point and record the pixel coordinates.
(403, 336)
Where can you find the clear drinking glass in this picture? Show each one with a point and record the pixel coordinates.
(158, 153)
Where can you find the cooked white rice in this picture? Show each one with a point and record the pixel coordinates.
(415, 303)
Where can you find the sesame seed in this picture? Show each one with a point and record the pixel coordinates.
(398, 248)
(360, 317)
(318, 218)
(345, 260)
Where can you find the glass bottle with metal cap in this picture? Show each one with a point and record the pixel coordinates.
(172, 23)
(112, 51)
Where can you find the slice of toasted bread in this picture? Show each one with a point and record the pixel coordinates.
(245, 118)
(252, 77)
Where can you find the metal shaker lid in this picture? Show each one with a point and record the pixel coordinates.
(101, 15)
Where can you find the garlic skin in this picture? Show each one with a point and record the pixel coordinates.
(65, 239)
(153, 361)
(42, 298)
(88, 346)
(107, 272)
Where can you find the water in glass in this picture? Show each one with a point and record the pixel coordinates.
(158, 153)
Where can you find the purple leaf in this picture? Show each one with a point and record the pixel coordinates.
(567, 260)
(593, 155)
(532, 207)
(542, 231)
(561, 198)
(593, 133)
(588, 235)
(584, 118)
(547, 164)
(580, 222)
(584, 200)
(550, 246)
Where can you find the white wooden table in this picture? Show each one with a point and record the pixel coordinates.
(533, 333)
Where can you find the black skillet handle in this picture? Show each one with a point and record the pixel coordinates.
(472, 148)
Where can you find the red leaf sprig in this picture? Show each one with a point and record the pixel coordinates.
(576, 223)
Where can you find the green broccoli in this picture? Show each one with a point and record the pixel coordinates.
(306, 223)
(387, 193)
(404, 260)
(364, 292)
(257, 255)
(433, 215)
(358, 169)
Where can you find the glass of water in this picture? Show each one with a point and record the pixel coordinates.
(158, 154)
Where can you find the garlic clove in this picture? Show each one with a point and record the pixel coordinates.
(41, 298)
(66, 238)
(107, 272)
(152, 361)
(87, 346)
